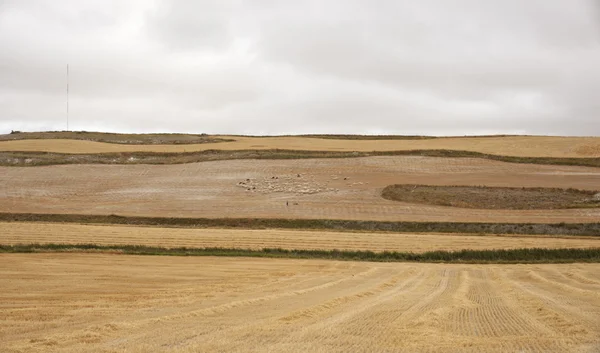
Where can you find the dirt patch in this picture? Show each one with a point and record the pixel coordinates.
(127, 139)
(483, 197)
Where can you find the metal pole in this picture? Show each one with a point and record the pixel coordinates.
(67, 97)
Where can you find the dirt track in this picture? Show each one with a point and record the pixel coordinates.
(117, 303)
(15, 233)
(522, 146)
(326, 189)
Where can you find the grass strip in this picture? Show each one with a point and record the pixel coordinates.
(530, 255)
(32, 159)
(586, 229)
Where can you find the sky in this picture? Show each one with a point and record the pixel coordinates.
(266, 67)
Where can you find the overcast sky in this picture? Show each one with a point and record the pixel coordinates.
(312, 66)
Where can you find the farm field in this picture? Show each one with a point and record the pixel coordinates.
(116, 303)
(521, 146)
(73, 298)
(335, 188)
(43, 233)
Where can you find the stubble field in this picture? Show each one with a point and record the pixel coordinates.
(115, 303)
(524, 146)
(46, 233)
(95, 301)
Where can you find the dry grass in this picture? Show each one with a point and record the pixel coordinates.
(492, 197)
(44, 233)
(100, 303)
(519, 146)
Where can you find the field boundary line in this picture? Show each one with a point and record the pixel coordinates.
(526, 255)
(43, 158)
(541, 229)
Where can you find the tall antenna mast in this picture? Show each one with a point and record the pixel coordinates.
(67, 97)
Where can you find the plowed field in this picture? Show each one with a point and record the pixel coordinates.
(522, 146)
(312, 189)
(117, 303)
(25, 233)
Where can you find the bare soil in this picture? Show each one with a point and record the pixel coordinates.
(483, 197)
(326, 189)
(101, 303)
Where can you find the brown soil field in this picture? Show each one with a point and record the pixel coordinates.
(43, 233)
(492, 197)
(108, 137)
(521, 146)
(119, 303)
(326, 189)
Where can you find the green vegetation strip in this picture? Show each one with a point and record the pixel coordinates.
(532, 255)
(588, 229)
(32, 159)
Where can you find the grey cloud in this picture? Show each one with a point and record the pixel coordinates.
(190, 25)
(428, 67)
(435, 46)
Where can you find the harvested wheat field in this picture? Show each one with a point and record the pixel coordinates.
(117, 303)
(521, 146)
(336, 188)
(97, 299)
(44, 233)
